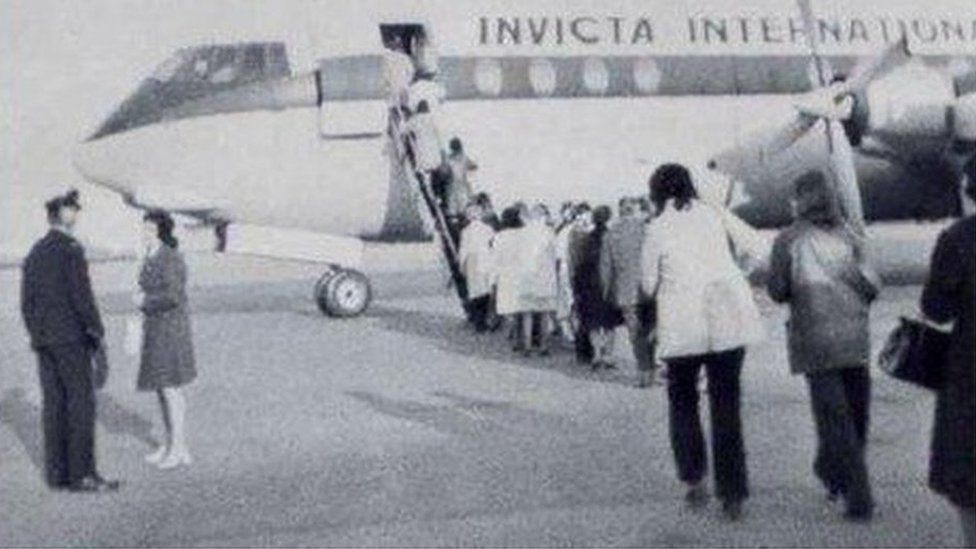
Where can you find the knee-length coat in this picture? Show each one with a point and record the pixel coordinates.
(167, 346)
(950, 295)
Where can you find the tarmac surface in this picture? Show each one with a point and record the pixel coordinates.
(404, 428)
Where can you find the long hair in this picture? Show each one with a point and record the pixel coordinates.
(164, 227)
(672, 182)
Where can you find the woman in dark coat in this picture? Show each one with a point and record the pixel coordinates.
(167, 361)
(950, 296)
(597, 315)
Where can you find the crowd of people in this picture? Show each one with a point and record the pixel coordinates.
(673, 270)
(571, 276)
(669, 267)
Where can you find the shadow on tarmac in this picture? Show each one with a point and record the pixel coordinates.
(119, 420)
(452, 334)
(461, 416)
(23, 418)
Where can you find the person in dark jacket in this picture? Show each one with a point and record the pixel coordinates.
(167, 361)
(950, 296)
(597, 314)
(818, 268)
(65, 328)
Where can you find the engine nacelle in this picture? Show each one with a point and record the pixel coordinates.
(911, 102)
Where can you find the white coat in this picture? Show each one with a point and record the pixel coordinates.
(704, 303)
(564, 284)
(427, 141)
(475, 256)
(507, 270)
(538, 289)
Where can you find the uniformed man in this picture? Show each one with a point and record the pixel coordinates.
(65, 328)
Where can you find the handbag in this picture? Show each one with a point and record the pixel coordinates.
(916, 352)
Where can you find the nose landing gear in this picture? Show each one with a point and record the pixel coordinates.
(343, 293)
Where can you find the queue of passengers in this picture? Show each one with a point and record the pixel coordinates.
(673, 269)
(571, 277)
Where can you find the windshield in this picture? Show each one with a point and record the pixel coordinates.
(193, 73)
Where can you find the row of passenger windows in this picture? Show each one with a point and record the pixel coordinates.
(359, 77)
(544, 76)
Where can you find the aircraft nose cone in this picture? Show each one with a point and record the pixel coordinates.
(95, 161)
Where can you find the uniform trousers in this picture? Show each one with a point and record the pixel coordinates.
(68, 412)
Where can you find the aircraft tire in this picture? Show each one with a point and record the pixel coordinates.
(346, 294)
(321, 289)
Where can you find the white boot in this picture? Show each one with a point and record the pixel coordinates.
(157, 455)
(175, 458)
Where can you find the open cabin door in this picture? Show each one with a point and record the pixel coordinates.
(354, 85)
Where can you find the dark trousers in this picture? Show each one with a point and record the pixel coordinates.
(639, 320)
(687, 440)
(841, 400)
(582, 344)
(478, 310)
(68, 413)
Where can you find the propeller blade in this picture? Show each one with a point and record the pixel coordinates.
(831, 102)
(845, 179)
(824, 74)
(873, 68)
(749, 159)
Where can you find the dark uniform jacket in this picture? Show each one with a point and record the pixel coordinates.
(56, 297)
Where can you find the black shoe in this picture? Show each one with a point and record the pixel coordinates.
(859, 513)
(732, 509)
(697, 496)
(94, 484)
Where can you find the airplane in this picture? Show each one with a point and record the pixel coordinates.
(282, 146)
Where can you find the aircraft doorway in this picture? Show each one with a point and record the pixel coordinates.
(413, 40)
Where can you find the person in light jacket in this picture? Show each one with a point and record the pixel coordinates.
(167, 361)
(818, 267)
(506, 270)
(538, 289)
(475, 256)
(950, 296)
(706, 316)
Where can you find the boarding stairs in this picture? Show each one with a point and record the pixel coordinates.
(403, 145)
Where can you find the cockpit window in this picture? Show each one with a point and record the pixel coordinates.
(193, 73)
